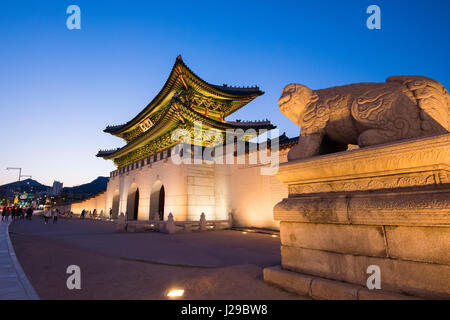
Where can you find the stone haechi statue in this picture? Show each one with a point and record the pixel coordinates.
(365, 114)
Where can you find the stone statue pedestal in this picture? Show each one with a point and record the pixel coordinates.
(387, 205)
(121, 225)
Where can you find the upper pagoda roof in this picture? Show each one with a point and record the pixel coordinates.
(172, 115)
(184, 100)
(181, 77)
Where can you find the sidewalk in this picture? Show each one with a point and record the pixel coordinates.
(14, 284)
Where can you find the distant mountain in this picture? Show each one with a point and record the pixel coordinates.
(27, 185)
(92, 187)
(30, 185)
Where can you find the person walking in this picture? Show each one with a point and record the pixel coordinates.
(6, 213)
(110, 213)
(55, 214)
(82, 214)
(47, 215)
(29, 213)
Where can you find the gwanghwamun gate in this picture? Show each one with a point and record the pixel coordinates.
(182, 157)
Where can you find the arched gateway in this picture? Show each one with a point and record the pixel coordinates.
(115, 204)
(161, 203)
(157, 200)
(133, 202)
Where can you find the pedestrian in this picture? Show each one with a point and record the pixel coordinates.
(29, 213)
(110, 213)
(6, 213)
(94, 213)
(47, 215)
(82, 214)
(3, 213)
(55, 214)
(20, 213)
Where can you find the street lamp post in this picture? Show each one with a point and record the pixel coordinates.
(18, 181)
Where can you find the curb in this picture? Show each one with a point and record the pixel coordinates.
(29, 290)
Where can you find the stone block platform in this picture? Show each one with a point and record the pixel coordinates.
(324, 289)
(387, 206)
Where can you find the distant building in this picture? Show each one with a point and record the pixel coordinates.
(56, 189)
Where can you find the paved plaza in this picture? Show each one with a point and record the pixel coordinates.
(209, 265)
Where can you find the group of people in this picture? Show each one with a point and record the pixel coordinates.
(91, 214)
(16, 212)
(94, 214)
(83, 214)
(51, 213)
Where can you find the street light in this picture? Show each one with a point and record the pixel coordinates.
(18, 181)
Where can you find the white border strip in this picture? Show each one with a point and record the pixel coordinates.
(29, 290)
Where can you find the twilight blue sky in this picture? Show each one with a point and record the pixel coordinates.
(59, 88)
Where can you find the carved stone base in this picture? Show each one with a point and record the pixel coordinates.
(387, 206)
